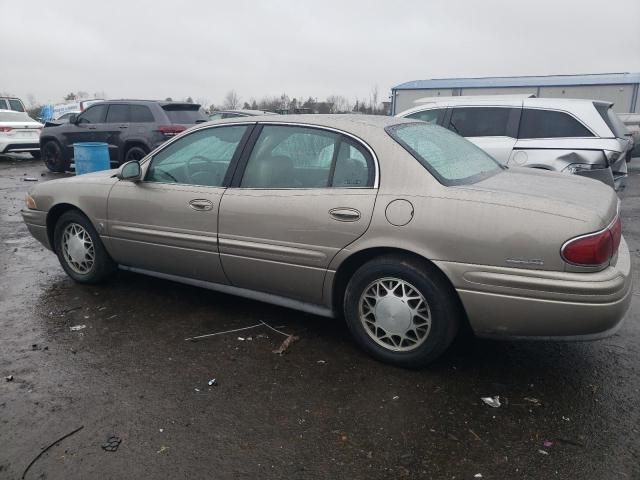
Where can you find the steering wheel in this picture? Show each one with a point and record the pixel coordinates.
(190, 168)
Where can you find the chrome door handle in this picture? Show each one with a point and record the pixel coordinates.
(345, 214)
(201, 204)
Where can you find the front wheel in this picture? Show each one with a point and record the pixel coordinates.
(401, 311)
(80, 250)
(53, 157)
(135, 153)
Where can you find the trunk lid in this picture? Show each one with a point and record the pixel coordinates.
(553, 192)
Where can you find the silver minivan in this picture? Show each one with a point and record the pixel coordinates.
(583, 137)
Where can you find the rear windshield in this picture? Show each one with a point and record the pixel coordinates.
(611, 119)
(447, 156)
(186, 114)
(14, 117)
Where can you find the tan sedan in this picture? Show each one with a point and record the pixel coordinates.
(404, 228)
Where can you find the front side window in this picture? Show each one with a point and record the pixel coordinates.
(480, 121)
(429, 116)
(201, 158)
(550, 124)
(118, 114)
(93, 114)
(451, 159)
(302, 157)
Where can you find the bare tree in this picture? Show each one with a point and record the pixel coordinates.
(31, 100)
(374, 100)
(231, 100)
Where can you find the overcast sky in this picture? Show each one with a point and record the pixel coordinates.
(203, 49)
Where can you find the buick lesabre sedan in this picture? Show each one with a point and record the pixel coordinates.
(405, 229)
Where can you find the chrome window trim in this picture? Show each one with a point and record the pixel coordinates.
(376, 179)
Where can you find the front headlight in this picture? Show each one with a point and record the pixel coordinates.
(581, 167)
(31, 203)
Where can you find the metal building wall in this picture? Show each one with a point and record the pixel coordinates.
(620, 95)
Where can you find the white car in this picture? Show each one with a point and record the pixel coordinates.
(19, 133)
(584, 137)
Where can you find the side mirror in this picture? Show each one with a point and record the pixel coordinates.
(73, 118)
(130, 171)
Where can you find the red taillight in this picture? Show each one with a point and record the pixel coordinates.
(171, 130)
(6, 129)
(594, 248)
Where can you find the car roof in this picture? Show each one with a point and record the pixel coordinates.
(360, 125)
(529, 100)
(245, 112)
(162, 103)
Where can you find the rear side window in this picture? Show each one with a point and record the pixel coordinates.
(451, 159)
(118, 114)
(16, 105)
(430, 116)
(480, 121)
(550, 124)
(301, 157)
(185, 114)
(141, 114)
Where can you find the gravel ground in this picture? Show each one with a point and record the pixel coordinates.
(323, 410)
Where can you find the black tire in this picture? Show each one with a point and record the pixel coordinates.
(443, 306)
(36, 155)
(136, 152)
(53, 157)
(102, 264)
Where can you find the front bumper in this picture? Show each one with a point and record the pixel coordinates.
(36, 221)
(506, 302)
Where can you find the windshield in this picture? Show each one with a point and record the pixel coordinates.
(611, 119)
(447, 156)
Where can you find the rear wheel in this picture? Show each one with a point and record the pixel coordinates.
(53, 157)
(135, 153)
(80, 250)
(401, 311)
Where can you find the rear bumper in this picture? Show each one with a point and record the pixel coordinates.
(36, 221)
(505, 302)
(17, 146)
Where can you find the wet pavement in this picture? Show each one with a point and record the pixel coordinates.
(323, 410)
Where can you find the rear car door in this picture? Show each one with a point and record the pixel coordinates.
(116, 124)
(168, 222)
(491, 128)
(300, 196)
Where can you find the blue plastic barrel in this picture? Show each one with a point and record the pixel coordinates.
(91, 157)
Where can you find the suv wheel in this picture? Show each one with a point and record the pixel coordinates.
(135, 153)
(53, 157)
(401, 311)
(80, 250)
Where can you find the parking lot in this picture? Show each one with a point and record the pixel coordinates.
(322, 410)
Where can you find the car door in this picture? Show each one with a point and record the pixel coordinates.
(168, 222)
(494, 129)
(85, 126)
(300, 196)
(116, 124)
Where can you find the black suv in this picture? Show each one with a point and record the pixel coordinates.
(131, 128)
